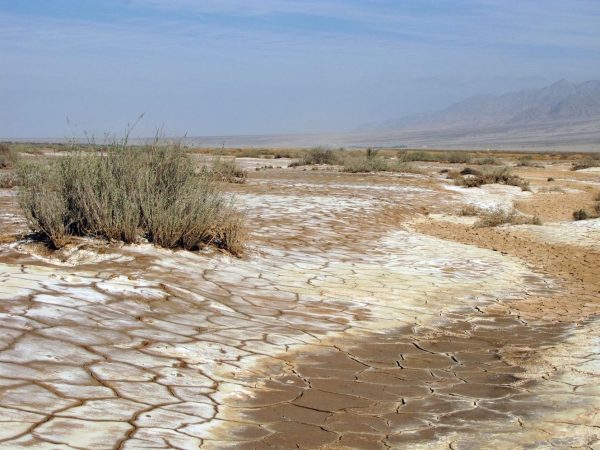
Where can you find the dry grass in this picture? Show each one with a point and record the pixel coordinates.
(124, 193)
(552, 189)
(500, 216)
(227, 170)
(471, 210)
(501, 175)
(456, 157)
(587, 162)
(7, 157)
(8, 180)
(371, 162)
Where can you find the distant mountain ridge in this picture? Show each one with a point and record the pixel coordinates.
(559, 102)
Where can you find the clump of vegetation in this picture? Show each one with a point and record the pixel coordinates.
(580, 214)
(491, 176)
(8, 180)
(449, 157)
(487, 161)
(549, 179)
(124, 193)
(471, 171)
(317, 155)
(471, 210)
(586, 163)
(499, 216)
(371, 162)
(527, 161)
(7, 157)
(227, 170)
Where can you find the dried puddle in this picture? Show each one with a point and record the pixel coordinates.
(341, 328)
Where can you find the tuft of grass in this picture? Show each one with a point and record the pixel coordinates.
(500, 216)
(487, 161)
(597, 196)
(319, 155)
(549, 179)
(556, 189)
(580, 214)
(125, 193)
(227, 170)
(597, 208)
(501, 175)
(527, 161)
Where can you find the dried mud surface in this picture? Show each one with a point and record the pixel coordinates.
(356, 319)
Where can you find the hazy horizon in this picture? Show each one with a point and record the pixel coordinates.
(274, 66)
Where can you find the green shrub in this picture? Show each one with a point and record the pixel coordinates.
(123, 193)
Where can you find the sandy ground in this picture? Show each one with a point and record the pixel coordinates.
(365, 314)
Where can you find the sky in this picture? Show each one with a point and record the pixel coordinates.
(222, 67)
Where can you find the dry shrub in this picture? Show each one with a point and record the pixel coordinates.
(500, 216)
(449, 157)
(471, 210)
(556, 189)
(377, 164)
(527, 161)
(597, 208)
(123, 193)
(8, 180)
(227, 170)
(597, 196)
(501, 175)
(319, 155)
(580, 214)
(586, 163)
(487, 161)
(7, 157)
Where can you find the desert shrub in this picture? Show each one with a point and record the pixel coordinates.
(470, 171)
(471, 210)
(7, 156)
(549, 179)
(319, 155)
(124, 193)
(586, 163)
(367, 164)
(227, 170)
(597, 196)
(499, 216)
(597, 208)
(8, 180)
(450, 157)
(527, 161)
(580, 214)
(444, 171)
(453, 175)
(501, 175)
(487, 161)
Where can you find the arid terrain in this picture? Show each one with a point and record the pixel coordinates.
(380, 310)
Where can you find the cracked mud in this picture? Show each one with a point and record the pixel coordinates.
(348, 324)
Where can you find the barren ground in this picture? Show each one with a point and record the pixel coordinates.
(366, 313)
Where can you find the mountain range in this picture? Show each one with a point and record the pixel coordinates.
(560, 103)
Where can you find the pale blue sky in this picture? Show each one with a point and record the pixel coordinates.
(274, 66)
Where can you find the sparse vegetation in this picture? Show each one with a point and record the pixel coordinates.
(124, 193)
(501, 175)
(372, 162)
(471, 210)
(448, 157)
(552, 189)
(487, 161)
(499, 216)
(227, 170)
(587, 162)
(527, 161)
(549, 179)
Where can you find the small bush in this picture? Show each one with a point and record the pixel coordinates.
(500, 216)
(597, 196)
(580, 214)
(586, 163)
(527, 161)
(8, 180)
(491, 176)
(368, 164)
(319, 155)
(227, 170)
(556, 189)
(597, 208)
(7, 157)
(124, 193)
(449, 157)
(550, 179)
